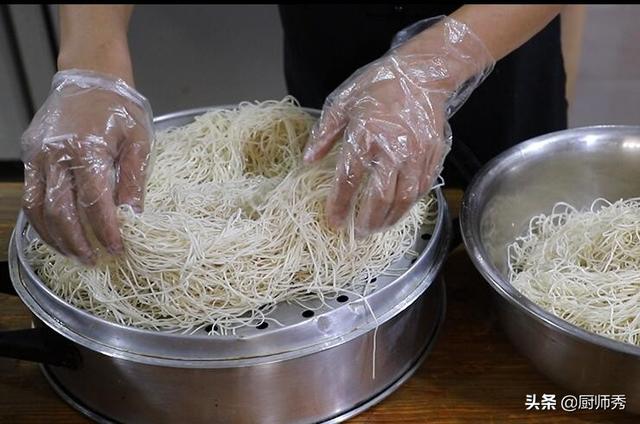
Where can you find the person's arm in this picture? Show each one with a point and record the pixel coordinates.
(504, 28)
(87, 149)
(501, 28)
(572, 27)
(392, 114)
(94, 37)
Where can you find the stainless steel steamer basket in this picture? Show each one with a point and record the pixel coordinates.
(312, 369)
(574, 166)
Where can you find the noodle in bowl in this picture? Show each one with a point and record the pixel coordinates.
(538, 228)
(584, 266)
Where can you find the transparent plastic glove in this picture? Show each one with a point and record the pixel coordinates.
(392, 117)
(86, 151)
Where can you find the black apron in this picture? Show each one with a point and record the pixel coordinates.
(523, 97)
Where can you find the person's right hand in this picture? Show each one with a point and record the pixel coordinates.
(86, 151)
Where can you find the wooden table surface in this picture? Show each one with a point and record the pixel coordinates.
(472, 375)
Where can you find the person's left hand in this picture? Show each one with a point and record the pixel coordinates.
(392, 115)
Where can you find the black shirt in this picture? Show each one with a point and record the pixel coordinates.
(523, 97)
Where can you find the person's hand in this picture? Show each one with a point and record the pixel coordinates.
(86, 151)
(392, 116)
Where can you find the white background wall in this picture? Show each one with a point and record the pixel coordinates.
(202, 55)
(608, 84)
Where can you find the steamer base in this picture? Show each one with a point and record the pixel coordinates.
(358, 409)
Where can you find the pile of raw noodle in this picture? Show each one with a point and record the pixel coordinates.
(584, 266)
(233, 224)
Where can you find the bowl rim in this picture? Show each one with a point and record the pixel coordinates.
(471, 237)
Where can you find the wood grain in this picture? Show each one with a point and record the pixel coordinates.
(472, 375)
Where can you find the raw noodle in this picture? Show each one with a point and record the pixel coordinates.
(584, 266)
(233, 224)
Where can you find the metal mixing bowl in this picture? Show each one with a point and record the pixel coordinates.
(575, 166)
